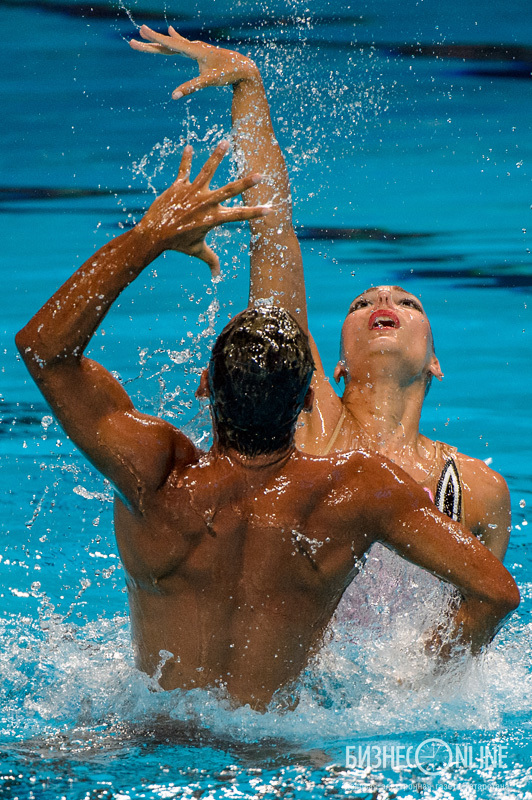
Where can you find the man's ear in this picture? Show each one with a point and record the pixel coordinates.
(435, 369)
(203, 389)
(340, 371)
(309, 400)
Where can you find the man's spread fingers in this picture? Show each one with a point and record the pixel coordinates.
(210, 258)
(234, 188)
(186, 163)
(206, 173)
(241, 213)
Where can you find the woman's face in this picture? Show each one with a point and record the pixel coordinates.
(387, 321)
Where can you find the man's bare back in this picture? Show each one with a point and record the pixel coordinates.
(234, 575)
(252, 572)
(251, 577)
(236, 559)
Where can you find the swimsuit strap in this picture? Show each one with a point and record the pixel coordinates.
(336, 431)
(449, 491)
(446, 450)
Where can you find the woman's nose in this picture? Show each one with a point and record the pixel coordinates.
(384, 297)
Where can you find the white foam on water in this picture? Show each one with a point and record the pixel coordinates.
(372, 677)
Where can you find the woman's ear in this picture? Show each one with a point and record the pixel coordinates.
(340, 371)
(435, 369)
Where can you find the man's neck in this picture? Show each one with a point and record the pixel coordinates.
(260, 461)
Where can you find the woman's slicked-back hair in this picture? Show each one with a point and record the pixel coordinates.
(259, 373)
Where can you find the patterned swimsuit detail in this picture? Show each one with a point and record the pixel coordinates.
(448, 497)
(449, 491)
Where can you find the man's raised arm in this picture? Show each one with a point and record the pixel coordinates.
(134, 451)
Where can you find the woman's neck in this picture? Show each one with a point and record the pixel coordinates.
(388, 415)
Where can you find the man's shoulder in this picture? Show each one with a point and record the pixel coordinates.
(150, 448)
(143, 430)
(355, 466)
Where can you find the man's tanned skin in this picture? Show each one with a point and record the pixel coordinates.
(234, 563)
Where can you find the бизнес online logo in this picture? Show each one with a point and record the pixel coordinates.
(432, 756)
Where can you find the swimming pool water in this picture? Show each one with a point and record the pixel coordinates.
(410, 164)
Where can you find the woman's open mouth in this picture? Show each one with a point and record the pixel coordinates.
(383, 319)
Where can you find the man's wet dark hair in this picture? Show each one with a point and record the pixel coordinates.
(259, 374)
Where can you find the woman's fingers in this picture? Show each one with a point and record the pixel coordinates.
(154, 36)
(175, 35)
(207, 78)
(174, 42)
(143, 47)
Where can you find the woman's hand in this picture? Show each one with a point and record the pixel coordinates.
(218, 67)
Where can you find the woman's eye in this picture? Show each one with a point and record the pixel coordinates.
(411, 304)
(359, 304)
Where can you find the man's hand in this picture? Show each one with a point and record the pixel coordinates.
(218, 67)
(183, 215)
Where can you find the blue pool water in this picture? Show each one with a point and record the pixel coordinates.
(422, 151)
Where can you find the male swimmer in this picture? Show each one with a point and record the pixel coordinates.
(235, 559)
(387, 351)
